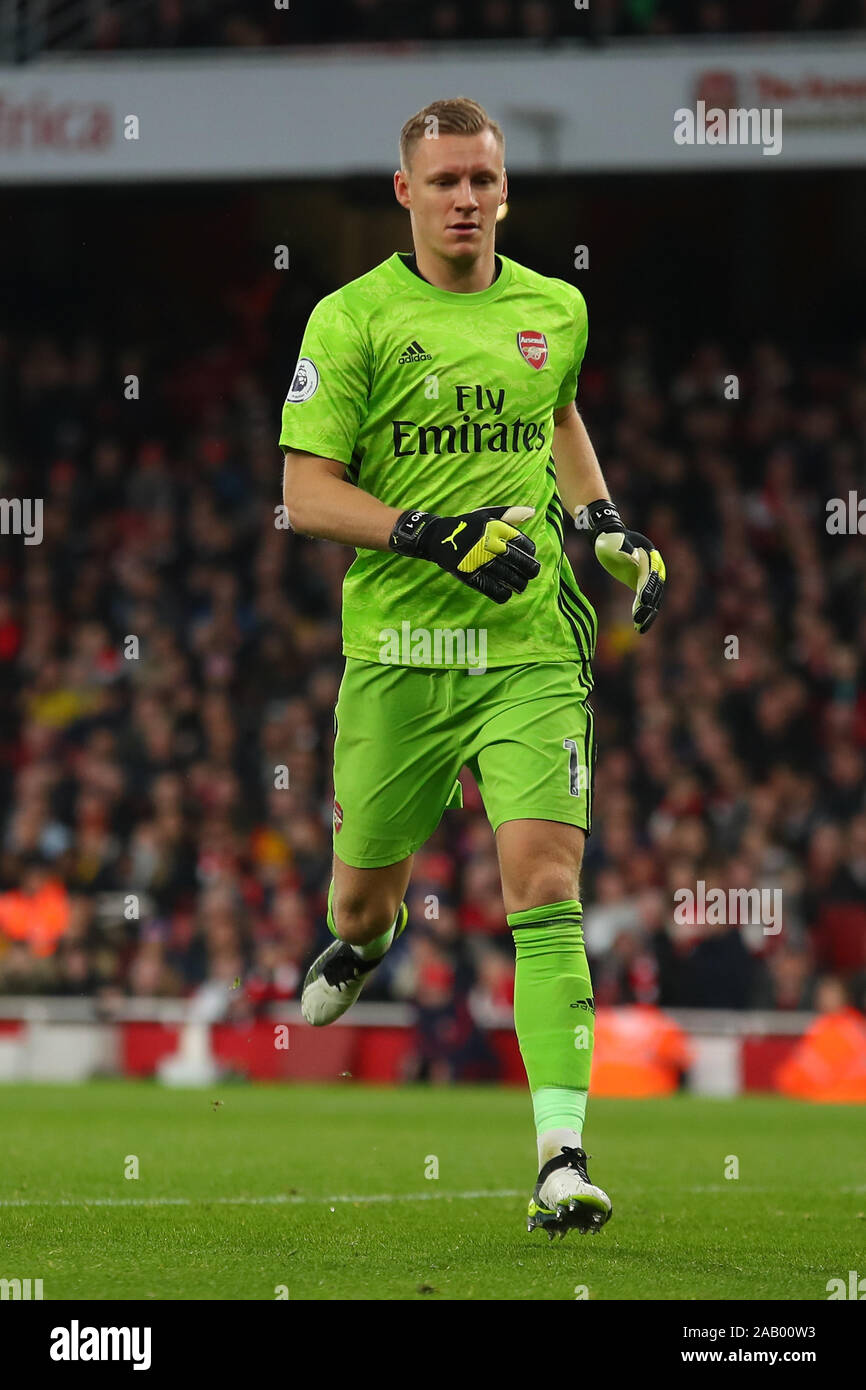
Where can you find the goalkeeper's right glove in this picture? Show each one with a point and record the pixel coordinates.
(482, 548)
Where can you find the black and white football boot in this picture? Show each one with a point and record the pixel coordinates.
(336, 978)
(564, 1198)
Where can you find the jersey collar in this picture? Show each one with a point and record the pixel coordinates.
(407, 277)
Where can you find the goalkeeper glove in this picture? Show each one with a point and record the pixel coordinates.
(483, 548)
(628, 556)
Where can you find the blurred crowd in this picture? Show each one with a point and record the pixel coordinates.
(124, 24)
(168, 648)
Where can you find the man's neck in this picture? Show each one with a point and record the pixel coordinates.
(467, 277)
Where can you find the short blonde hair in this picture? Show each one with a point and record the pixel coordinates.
(457, 116)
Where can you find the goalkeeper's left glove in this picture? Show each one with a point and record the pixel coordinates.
(628, 556)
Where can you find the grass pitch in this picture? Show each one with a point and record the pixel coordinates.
(323, 1191)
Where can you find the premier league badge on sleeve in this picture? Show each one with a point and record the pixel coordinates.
(533, 348)
(304, 383)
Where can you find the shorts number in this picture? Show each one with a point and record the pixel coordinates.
(578, 772)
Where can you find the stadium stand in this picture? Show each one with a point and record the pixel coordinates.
(141, 780)
(36, 26)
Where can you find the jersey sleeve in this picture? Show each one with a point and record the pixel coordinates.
(568, 389)
(327, 399)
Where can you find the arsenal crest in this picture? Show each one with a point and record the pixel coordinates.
(533, 348)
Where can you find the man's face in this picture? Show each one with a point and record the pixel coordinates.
(452, 189)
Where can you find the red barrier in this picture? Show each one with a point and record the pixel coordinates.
(144, 1045)
(639, 1051)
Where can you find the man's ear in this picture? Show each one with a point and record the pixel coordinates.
(401, 188)
(504, 188)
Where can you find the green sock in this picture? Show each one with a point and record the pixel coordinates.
(371, 950)
(558, 1107)
(553, 1012)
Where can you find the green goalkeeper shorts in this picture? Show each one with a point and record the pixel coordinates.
(404, 733)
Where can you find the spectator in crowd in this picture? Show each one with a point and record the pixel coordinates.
(38, 912)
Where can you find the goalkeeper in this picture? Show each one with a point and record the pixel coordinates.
(431, 424)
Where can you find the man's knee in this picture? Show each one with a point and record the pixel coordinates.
(547, 883)
(540, 863)
(539, 873)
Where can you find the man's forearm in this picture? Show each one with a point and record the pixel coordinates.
(319, 503)
(579, 478)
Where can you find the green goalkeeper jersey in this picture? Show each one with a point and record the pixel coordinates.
(444, 402)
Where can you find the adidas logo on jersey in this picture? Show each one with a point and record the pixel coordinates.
(414, 353)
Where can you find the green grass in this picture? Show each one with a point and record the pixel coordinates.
(795, 1218)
